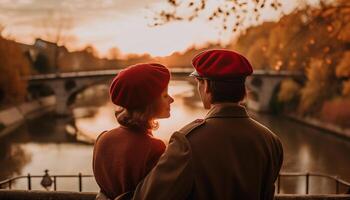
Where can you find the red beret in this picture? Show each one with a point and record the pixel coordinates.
(139, 85)
(221, 65)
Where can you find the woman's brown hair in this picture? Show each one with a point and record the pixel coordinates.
(138, 120)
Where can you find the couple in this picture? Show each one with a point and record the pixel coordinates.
(226, 155)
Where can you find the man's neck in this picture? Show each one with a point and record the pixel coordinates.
(224, 104)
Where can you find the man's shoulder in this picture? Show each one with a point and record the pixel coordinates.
(263, 129)
(189, 128)
(179, 143)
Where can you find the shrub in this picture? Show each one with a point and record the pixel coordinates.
(337, 111)
(289, 90)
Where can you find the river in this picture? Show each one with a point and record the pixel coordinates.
(43, 143)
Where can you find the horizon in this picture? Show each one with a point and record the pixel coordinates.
(27, 20)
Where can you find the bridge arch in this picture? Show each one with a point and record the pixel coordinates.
(66, 90)
(73, 95)
(37, 90)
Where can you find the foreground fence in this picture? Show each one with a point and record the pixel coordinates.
(44, 195)
(49, 182)
(338, 183)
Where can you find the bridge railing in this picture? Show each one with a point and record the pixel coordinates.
(51, 180)
(180, 71)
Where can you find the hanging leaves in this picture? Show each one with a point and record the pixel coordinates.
(232, 14)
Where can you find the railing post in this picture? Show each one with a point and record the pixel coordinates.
(307, 183)
(29, 182)
(10, 184)
(80, 183)
(278, 183)
(54, 183)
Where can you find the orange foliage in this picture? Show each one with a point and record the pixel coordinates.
(318, 87)
(346, 88)
(343, 68)
(256, 53)
(314, 40)
(343, 71)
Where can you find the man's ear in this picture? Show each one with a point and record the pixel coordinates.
(207, 95)
(206, 86)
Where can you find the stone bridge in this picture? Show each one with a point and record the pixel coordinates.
(262, 85)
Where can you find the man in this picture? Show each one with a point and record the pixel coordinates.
(227, 155)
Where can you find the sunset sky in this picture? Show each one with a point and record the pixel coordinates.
(114, 23)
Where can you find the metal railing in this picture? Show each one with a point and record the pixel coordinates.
(336, 179)
(46, 180)
(49, 180)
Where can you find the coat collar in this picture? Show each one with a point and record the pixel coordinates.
(227, 110)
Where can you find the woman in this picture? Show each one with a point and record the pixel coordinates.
(124, 155)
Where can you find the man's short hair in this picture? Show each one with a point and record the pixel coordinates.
(226, 91)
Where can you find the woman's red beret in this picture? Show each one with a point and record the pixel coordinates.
(139, 85)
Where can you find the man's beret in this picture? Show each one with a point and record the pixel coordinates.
(139, 85)
(219, 64)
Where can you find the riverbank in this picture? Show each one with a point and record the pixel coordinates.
(13, 117)
(314, 122)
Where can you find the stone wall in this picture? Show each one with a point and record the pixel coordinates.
(321, 125)
(12, 118)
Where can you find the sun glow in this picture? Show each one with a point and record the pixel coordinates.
(132, 34)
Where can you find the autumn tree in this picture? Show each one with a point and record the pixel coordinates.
(343, 72)
(315, 40)
(289, 91)
(14, 67)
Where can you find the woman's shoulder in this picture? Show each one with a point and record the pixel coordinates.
(157, 144)
(107, 134)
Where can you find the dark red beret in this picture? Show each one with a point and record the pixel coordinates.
(139, 85)
(219, 64)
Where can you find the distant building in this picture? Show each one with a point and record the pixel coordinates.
(48, 57)
(44, 55)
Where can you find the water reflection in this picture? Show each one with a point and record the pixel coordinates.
(12, 158)
(307, 149)
(185, 109)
